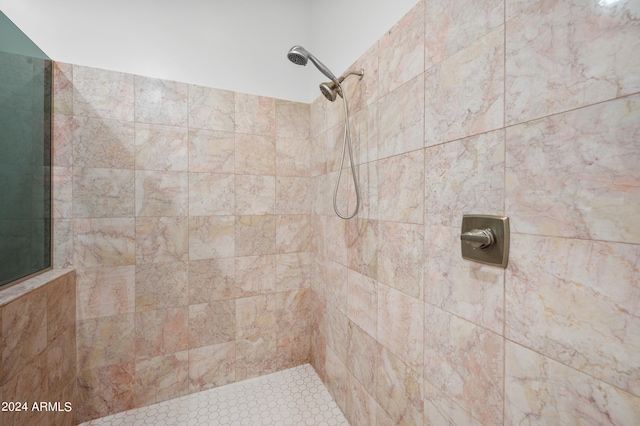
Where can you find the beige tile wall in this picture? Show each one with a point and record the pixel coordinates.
(524, 109)
(186, 212)
(37, 346)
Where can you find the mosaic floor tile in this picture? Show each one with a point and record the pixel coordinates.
(290, 397)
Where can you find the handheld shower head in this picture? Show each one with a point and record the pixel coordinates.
(299, 56)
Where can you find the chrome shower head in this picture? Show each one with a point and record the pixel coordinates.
(299, 56)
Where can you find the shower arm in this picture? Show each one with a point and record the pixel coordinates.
(338, 87)
(359, 73)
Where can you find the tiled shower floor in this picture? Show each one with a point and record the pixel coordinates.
(295, 396)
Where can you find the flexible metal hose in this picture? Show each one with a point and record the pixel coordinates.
(346, 142)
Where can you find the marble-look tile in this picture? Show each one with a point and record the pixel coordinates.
(539, 388)
(317, 116)
(256, 357)
(104, 242)
(212, 109)
(294, 332)
(255, 275)
(398, 389)
(24, 332)
(211, 194)
(255, 115)
(160, 193)
(401, 50)
(401, 325)
(211, 151)
(162, 239)
(61, 304)
(161, 102)
(336, 380)
(160, 378)
(61, 362)
(211, 237)
(576, 174)
(62, 243)
(212, 323)
(361, 406)
(293, 233)
(365, 134)
(293, 157)
(362, 302)
(466, 362)
(382, 418)
(293, 195)
(362, 246)
(400, 188)
(368, 186)
(103, 192)
(62, 88)
(401, 124)
(464, 176)
(334, 331)
(161, 147)
(363, 92)
(318, 354)
(29, 384)
(105, 390)
(334, 143)
(451, 26)
(470, 290)
(255, 317)
(292, 119)
(318, 164)
(335, 286)
(293, 347)
(361, 357)
(62, 192)
(440, 409)
(161, 285)
(400, 257)
(322, 201)
(293, 309)
(472, 78)
(63, 128)
(255, 194)
(566, 54)
(574, 301)
(255, 235)
(102, 143)
(255, 154)
(292, 271)
(161, 331)
(336, 247)
(212, 366)
(101, 93)
(102, 292)
(105, 341)
(211, 280)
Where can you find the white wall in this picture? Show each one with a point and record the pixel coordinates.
(238, 45)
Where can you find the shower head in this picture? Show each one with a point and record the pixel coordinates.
(299, 56)
(329, 90)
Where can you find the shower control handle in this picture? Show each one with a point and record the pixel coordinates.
(478, 238)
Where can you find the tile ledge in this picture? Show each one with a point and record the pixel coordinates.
(14, 292)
